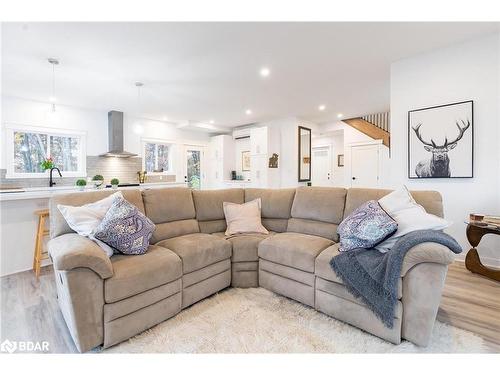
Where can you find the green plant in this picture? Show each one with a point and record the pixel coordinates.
(81, 182)
(47, 164)
(98, 177)
(115, 181)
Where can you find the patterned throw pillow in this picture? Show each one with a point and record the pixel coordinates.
(365, 227)
(125, 228)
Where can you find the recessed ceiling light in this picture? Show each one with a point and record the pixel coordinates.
(322, 107)
(340, 115)
(212, 121)
(265, 72)
(165, 118)
(248, 111)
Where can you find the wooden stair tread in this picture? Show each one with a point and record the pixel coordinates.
(369, 129)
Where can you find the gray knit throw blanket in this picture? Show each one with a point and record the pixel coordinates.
(373, 277)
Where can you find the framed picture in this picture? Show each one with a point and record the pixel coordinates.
(340, 160)
(245, 161)
(440, 141)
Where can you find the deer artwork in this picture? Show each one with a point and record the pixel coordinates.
(439, 163)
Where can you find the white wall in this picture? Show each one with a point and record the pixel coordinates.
(95, 123)
(350, 136)
(27, 112)
(461, 72)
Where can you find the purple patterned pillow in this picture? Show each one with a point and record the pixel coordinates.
(125, 228)
(366, 227)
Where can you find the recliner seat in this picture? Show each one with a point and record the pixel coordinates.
(107, 300)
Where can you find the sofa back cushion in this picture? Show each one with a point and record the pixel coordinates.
(317, 211)
(172, 210)
(209, 207)
(276, 206)
(58, 224)
(430, 200)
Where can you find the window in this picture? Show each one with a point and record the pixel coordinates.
(157, 157)
(27, 147)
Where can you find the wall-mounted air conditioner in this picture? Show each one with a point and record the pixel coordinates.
(241, 133)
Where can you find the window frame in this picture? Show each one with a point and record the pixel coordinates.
(10, 129)
(171, 148)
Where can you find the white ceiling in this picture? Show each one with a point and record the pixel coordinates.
(202, 71)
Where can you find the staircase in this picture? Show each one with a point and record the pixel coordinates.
(375, 126)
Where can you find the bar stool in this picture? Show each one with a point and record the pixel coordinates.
(41, 232)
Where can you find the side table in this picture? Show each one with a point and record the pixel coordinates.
(475, 232)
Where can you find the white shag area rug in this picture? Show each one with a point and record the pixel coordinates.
(256, 320)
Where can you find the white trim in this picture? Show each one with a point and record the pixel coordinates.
(11, 128)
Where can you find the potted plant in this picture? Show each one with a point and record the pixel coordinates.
(114, 183)
(98, 180)
(47, 164)
(81, 184)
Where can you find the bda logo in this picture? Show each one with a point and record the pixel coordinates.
(8, 346)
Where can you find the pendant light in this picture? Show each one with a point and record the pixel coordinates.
(52, 61)
(138, 129)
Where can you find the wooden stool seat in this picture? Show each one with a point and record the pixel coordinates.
(40, 234)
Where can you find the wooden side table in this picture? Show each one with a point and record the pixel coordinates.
(475, 232)
(41, 232)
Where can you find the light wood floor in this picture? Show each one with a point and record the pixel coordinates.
(29, 309)
(472, 302)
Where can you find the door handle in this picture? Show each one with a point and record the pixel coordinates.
(354, 178)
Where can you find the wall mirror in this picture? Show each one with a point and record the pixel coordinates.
(304, 154)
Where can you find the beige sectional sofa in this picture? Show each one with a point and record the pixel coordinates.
(107, 300)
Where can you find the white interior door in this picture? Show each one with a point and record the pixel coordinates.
(321, 166)
(365, 165)
(194, 166)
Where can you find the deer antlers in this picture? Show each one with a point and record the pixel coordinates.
(461, 132)
(419, 136)
(446, 143)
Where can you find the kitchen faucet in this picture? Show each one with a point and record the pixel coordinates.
(52, 183)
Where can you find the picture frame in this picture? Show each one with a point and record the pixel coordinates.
(340, 160)
(245, 161)
(441, 141)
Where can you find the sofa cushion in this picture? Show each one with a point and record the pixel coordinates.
(325, 271)
(295, 250)
(168, 204)
(209, 203)
(430, 200)
(319, 203)
(138, 273)
(275, 203)
(198, 250)
(245, 246)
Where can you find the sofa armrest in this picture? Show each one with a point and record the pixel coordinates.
(427, 252)
(71, 251)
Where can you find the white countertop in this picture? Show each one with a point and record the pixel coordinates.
(47, 192)
(237, 181)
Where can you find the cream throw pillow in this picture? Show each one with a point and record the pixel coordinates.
(85, 219)
(243, 218)
(409, 215)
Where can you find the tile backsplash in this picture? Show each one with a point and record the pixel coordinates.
(124, 169)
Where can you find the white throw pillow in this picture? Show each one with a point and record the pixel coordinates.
(243, 218)
(409, 215)
(85, 219)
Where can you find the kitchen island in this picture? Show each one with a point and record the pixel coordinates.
(18, 222)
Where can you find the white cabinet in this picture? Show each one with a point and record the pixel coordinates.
(264, 142)
(259, 141)
(221, 161)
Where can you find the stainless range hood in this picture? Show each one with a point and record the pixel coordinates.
(115, 136)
